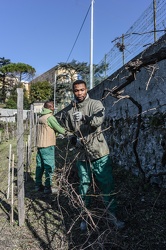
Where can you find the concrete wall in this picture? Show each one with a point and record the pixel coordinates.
(122, 117)
(151, 98)
(9, 115)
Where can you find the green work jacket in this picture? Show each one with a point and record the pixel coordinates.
(89, 128)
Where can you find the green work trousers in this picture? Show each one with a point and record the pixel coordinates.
(101, 169)
(45, 163)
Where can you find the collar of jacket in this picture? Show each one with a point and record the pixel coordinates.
(82, 104)
(45, 111)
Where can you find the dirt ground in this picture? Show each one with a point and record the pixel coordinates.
(52, 221)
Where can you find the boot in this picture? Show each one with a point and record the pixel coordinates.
(117, 223)
(49, 190)
(83, 226)
(39, 188)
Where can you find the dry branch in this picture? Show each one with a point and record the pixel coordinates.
(135, 66)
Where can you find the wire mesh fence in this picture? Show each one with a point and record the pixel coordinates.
(150, 26)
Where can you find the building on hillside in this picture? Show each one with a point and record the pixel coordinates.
(56, 74)
(61, 79)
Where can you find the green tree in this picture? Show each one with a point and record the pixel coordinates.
(4, 61)
(15, 73)
(3, 88)
(11, 103)
(19, 71)
(40, 91)
(82, 70)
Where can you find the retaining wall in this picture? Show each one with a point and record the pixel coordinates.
(149, 90)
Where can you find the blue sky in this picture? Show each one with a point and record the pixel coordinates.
(42, 33)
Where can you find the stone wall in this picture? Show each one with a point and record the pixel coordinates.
(149, 90)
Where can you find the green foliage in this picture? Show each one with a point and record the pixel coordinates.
(11, 103)
(82, 70)
(20, 71)
(4, 61)
(11, 74)
(40, 91)
(3, 87)
(12, 100)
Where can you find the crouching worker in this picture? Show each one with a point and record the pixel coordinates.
(47, 128)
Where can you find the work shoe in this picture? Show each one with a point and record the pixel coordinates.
(39, 188)
(117, 223)
(83, 226)
(49, 190)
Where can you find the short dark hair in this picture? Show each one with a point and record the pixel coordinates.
(48, 104)
(79, 82)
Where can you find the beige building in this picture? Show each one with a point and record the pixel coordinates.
(56, 74)
(37, 107)
(62, 80)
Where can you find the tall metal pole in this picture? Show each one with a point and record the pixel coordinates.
(55, 94)
(123, 55)
(91, 47)
(154, 19)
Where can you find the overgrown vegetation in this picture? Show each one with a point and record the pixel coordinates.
(52, 222)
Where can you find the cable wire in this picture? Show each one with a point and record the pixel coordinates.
(78, 33)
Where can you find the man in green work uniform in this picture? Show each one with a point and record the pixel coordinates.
(47, 127)
(85, 117)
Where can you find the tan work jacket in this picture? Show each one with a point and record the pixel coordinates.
(45, 135)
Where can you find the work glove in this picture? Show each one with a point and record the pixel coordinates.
(78, 116)
(76, 142)
(60, 136)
